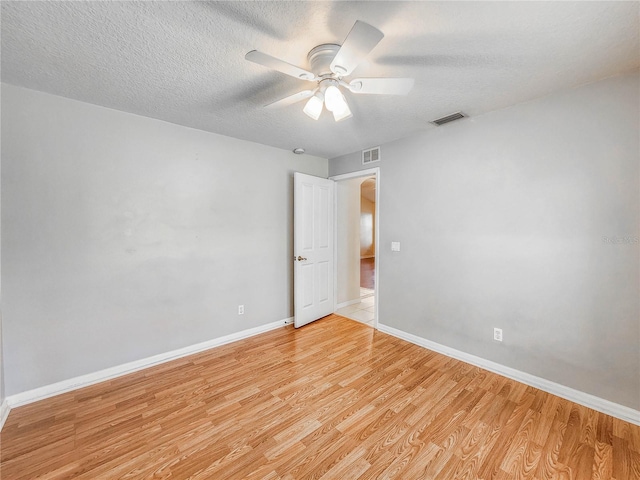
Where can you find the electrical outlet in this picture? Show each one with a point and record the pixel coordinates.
(395, 246)
(240, 309)
(497, 334)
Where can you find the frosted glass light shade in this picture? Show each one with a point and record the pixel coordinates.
(313, 108)
(343, 114)
(333, 99)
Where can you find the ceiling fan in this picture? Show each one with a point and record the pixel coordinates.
(330, 64)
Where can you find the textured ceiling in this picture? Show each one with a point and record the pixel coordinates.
(183, 62)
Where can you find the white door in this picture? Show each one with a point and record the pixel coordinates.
(312, 248)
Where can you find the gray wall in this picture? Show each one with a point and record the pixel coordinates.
(125, 237)
(525, 219)
(2, 395)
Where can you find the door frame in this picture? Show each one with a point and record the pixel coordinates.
(346, 176)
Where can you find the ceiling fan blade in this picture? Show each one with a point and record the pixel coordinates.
(280, 65)
(291, 99)
(361, 40)
(382, 86)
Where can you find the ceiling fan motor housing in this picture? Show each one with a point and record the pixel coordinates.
(320, 58)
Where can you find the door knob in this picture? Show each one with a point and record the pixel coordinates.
(300, 259)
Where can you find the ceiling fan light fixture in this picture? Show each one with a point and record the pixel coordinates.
(329, 63)
(313, 108)
(334, 100)
(339, 115)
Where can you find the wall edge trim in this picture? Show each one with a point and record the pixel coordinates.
(622, 412)
(47, 391)
(4, 412)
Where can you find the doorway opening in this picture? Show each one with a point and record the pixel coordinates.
(356, 246)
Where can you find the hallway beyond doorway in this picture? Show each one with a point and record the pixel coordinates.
(356, 245)
(363, 311)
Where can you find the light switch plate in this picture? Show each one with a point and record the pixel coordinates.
(395, 246)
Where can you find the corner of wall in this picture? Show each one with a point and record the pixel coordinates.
(4, 412)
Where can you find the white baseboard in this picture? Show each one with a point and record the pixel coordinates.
(347, 303)
(4, 412)
(64, 386)
(586, 399)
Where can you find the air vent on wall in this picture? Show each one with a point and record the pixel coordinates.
(448, 118)
(371, 155)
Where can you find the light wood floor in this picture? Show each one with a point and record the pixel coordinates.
(333, 400)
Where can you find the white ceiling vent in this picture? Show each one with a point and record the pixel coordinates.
(371, 155)
(448, 118)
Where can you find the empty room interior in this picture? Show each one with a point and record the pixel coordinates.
(320, 240)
